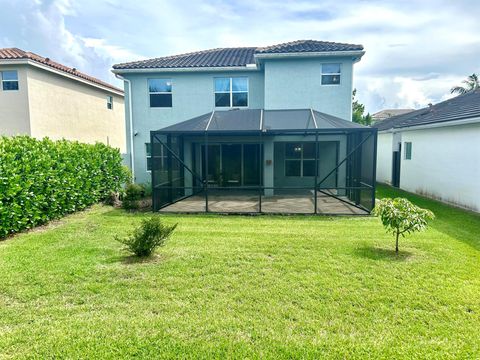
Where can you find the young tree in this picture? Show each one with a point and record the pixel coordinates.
(358, 110)
(399, 217)
(471, 83)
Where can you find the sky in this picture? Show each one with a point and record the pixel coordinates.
(415, 50)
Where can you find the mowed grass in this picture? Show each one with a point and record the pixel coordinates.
(243, 287)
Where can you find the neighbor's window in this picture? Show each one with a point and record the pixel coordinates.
(408, 151)
(331, 74)
(231, 92)
(160, 91)
(300, 159)
(9, 80)
(110, 102)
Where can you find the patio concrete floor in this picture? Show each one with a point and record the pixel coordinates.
(276, 204)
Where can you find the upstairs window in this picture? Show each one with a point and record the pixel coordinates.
(9, 80)
(231, 92)
(160, 91)
(331, 74)
(408, 151)
(300, 159)
(110, 102)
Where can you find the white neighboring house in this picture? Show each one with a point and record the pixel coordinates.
(434, 151)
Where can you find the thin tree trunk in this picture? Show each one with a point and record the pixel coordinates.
(396, 242)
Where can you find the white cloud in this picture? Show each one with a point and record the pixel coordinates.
(415, 50)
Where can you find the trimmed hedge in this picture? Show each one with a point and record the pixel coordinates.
(42, 180)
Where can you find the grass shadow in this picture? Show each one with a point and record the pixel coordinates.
(132, 259)
(375, 253)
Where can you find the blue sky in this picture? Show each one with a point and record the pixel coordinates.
(416, 50)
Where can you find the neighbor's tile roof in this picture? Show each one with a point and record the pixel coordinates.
(458, 108)
(18, 54)
(241, 56)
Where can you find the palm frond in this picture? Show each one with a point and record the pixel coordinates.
(460, 90)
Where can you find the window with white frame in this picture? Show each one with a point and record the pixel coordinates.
(160, 92)
(331, 74)
(110, 102)
(231, 92)
(408, 151)
(300, 159)
(148, 153)
(9, 80)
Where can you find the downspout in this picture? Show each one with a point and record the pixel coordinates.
(130, 119)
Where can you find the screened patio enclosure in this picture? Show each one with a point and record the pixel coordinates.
(264, 161)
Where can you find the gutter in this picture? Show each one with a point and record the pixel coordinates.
(248, 67)
(355, 53)
(130, 119)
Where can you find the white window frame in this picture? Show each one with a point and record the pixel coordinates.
(301, 159)
(148, 156)
(110, 102)
(322, 73)
(2, 81)
(405, 151)
(159, 92)
(231, 92)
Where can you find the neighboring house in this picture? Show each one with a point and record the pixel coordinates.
(39, 97)
(388, 113)
(434, 151)
(233, 95)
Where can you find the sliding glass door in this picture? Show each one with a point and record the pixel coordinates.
(231, 165)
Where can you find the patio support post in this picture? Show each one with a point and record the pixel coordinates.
(169, 167)
(260, 174)
(205, 175)
(374, 175)
(316, 173)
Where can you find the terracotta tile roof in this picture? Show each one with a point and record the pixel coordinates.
(18, 54)
(240, 56)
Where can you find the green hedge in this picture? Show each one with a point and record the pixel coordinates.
(42, 180)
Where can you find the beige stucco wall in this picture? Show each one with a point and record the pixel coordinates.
(65, 108)
(14, 117)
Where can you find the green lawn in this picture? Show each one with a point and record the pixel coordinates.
(244, 287)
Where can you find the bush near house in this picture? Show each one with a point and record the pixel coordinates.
(42, 180)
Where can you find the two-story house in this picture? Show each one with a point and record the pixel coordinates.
(247, 120)
(40, 97)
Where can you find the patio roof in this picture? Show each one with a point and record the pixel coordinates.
(259, 120)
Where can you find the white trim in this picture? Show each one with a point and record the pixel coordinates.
(358, 53)
(261, 119)
(58, 72)
(209, 120)
(191, 69)
(432, 126)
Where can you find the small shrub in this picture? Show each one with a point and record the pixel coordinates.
(399, 217)
(133, 193)
(151, 234)
(147, 187)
